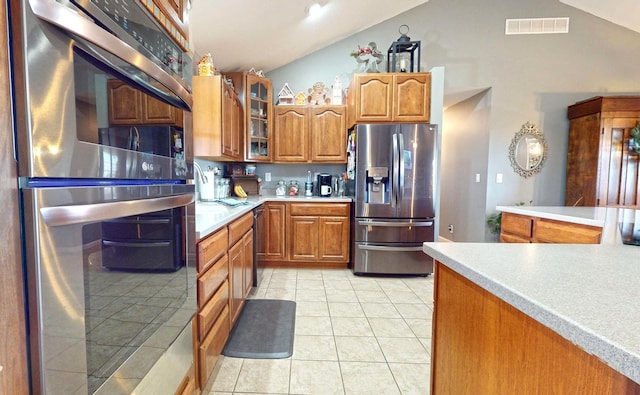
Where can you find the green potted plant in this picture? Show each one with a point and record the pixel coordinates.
(494, 221)
(634, 141)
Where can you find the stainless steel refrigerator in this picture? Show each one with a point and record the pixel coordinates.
(394, 209)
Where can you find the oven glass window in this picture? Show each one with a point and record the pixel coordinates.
(137, 293)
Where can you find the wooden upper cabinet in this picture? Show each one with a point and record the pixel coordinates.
(310, 134)
(129, 107)
(256, 96)
(291, 134)
(328, 129)
(600, 169)
(217, 120)
(411, 97)
(389, 97)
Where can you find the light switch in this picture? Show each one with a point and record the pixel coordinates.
(499, 178)
(478, 177)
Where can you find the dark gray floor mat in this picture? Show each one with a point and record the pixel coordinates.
(264, 330)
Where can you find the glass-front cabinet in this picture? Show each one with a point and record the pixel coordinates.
(257, 95)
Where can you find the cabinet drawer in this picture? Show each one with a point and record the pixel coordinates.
(208, 314)
(334, 209)
(515, 224)
(239, 227)
(210, 280)
(211, 347)
(212, 248)
(549, 231)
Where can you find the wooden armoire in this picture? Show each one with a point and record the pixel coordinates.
(601, 171)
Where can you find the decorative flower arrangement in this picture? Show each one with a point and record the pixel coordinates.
(368, 57)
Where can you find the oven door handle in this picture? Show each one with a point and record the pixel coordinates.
(90, 33)
(85, 213)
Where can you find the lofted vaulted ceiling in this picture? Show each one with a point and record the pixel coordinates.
(280, 31)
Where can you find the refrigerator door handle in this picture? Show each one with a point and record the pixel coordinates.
(388, 248)
(400, 183)
(395, 173)
(395, 224)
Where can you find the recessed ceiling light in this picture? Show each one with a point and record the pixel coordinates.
(314, 9)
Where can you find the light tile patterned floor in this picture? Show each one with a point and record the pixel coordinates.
(353, 335)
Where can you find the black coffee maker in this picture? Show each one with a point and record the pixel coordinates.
(324, 185)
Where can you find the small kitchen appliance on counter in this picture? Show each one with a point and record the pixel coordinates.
(324, 185)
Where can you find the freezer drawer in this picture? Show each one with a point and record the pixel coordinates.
(391, 259)
(379, 230)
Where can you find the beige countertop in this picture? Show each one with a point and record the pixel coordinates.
(211, 216)
(589, 294)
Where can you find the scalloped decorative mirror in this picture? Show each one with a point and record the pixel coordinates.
(528, 150)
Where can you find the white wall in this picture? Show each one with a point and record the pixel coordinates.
(531, 77)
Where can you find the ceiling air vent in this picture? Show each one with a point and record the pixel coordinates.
(537, 26)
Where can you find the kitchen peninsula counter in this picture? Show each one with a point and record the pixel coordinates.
(586, 294)
(211, 216)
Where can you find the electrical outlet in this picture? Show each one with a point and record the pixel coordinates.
(267, 177)
(499, 178)
(450, 228)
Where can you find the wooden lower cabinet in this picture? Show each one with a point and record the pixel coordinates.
(308, 234)
(483, 345)
(274, 232)
(225, 278)
(188, 386)
(517, 228)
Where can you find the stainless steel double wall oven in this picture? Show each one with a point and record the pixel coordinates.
(105, 205)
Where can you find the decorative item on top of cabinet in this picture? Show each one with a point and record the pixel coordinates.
(310, 134)
(401, 55)
(217, 120)
(129, 106)
(285, 96)
(389, 97)
(256, 96)
(601, 170)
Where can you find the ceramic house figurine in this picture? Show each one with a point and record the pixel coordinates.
(301, 98)
(285, 96)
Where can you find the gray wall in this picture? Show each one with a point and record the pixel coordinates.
(531, 77)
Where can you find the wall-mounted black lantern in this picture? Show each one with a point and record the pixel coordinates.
(404, 54)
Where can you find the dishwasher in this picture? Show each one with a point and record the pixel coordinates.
(258, 244)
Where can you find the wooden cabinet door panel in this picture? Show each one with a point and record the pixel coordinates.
(125, 104)
(247, 268)
(549, 231)
(583, 161)
(328, 130)
(291, 134)
(236, 291)
(334, 238)
(157, 112)
(517, 225)
(373, 98)
(303, 238)
(227, 122)
(411, 97)
(274, 220)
